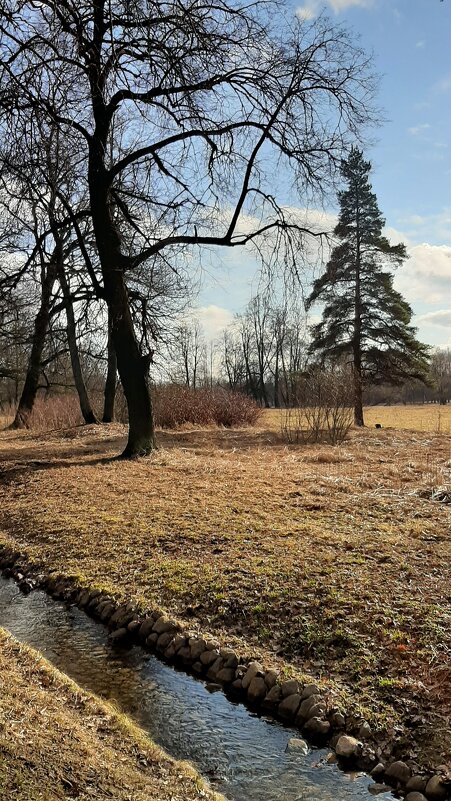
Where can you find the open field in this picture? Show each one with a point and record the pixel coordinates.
(58, 742)
(330, 561)
(430, 417)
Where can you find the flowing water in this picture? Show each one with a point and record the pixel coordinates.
(243, 755)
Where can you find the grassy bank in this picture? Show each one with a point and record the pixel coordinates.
(58, 742)
(331, 561)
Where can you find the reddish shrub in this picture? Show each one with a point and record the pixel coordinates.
(176, 405)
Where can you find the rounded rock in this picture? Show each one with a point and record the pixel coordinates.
(257, 690)
(197, 647)
(230, 658)
(415, 796)
(310, 689)
(365, 731)
(271, 679)
(273, 698)
(338, 720)
(252, 670)
(317, 710)
(225, 675)
(435, 789)
(164, 624)
(416, 784)
(317, 728)
(377, 789)
(348, 747)
(297, 745)
(214, 669)
(118, 636)
(290, 687)
(398, 772)
(208, 657)
(306, 705)
(288, 708)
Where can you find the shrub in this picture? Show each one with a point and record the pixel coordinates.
(54, 412)
(173, 406)
(322, 408)
(177, 405)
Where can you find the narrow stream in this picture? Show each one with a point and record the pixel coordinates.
(244, 756)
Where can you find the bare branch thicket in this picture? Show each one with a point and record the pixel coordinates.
(265, 349)
(322, 409)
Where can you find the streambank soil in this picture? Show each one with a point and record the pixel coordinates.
(59, 742)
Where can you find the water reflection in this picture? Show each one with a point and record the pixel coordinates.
(243, 755)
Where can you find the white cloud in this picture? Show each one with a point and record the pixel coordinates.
(311, 8)
(426, 276)
(440, 318)
(420, 44)
(213, 319)
(418, 129)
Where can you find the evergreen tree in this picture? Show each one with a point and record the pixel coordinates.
(365, 320)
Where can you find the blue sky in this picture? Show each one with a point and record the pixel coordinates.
(411, 157)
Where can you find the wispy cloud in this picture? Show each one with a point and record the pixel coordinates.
(428, 227)
(420, 44)
(440, 318)
(443, 85)
(311, 8)
(418, 129)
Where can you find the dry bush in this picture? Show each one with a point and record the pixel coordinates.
(322, 411)
(173, 406)
(7, 413)
(177, 405)
(57, 411)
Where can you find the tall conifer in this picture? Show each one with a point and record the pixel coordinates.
(365, 321)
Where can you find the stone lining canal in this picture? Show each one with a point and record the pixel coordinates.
(243, 756)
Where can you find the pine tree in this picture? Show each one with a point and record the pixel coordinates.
(365, 321)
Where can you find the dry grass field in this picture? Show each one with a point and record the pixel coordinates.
(332, 561)
(57, 742)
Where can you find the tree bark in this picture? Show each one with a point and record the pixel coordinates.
(41, 327)
(131, 364)
(80, 386)
(133, 371)
(110, 383)
(276, 381)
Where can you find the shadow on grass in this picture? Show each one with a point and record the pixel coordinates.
(22, 451)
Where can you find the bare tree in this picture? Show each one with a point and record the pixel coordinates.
(441, 375)
(202, 93)
(33, 184)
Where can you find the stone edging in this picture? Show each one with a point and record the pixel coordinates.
(303, 707)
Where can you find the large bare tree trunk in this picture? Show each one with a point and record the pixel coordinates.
(132, 366)
(110, 383)
(80, 386)
(133, 369)
(41, 327)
